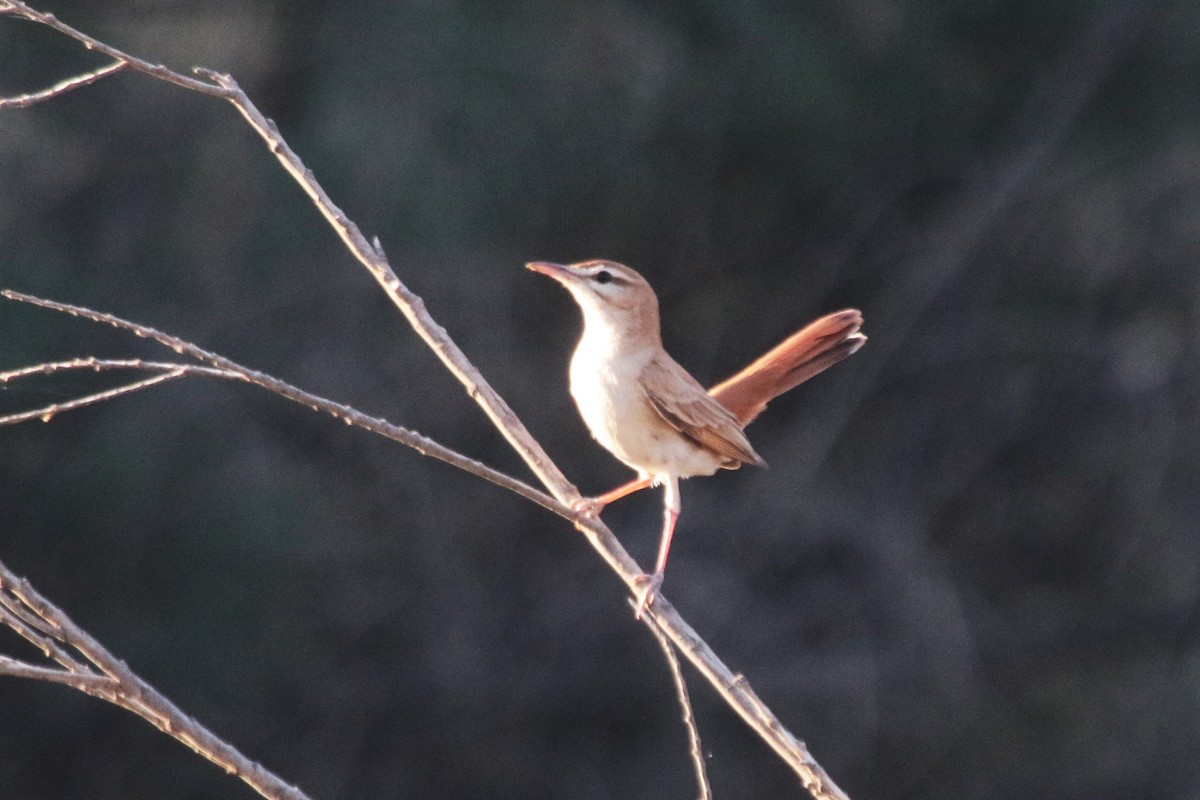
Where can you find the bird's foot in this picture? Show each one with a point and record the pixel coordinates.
(649, 591)
(589, 506)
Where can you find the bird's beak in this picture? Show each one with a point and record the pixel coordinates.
(557, 271)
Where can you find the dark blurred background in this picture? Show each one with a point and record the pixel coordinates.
(972, 570)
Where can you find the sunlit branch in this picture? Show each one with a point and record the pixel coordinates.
(62, 87)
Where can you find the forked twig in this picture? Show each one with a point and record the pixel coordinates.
(93, 670)
(19, 9)
(47, 413)
(85, 682)
(221, 367)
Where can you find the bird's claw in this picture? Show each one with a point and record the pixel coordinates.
(652, 584)
(588, 506)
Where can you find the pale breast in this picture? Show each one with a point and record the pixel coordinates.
(614, 407)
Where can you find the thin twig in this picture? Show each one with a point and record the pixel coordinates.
(89, 363)
(47, 413)
(85, 682)
(34, 630)
(94, 364)
(695, 748)
(119, 685)
(62, 87)
(20, 9)
(168, 371)
(221, 367)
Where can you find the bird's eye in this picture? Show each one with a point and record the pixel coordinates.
(604, 276)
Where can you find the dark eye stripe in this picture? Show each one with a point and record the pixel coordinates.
(608, 276)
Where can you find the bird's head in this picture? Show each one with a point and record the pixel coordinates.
(611, 295)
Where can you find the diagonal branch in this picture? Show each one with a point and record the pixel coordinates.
(372, 256)
(117, 684)
(19, 9)
(35, 630)
(62, 87)
(231, 370)
(47, 413)
(695, 748)
(85, 682)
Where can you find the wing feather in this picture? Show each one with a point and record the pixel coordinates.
(698, 417)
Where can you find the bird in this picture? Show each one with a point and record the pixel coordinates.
(649, 412)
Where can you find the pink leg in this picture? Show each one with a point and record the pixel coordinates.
(592, 506)
(671, 508)
(670, 517)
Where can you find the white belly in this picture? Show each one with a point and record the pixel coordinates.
(615, 409)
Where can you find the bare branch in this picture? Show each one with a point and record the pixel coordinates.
(222, 367)
(92, 684)
(17, 8)
(695, 748)
(143, 331)
(120, 686)
(410, 305)
(168, 370)
(47, 413)
(102, 365)
(62, 87)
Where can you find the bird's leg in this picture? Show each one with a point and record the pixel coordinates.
(671, 508)
(592, 506)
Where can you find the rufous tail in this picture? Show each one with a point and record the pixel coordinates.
(807, 352)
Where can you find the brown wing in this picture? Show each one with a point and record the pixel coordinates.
(699, 417)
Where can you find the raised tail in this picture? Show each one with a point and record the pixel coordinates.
(810, 350)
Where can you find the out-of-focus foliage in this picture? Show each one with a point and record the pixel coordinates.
(972, 569)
